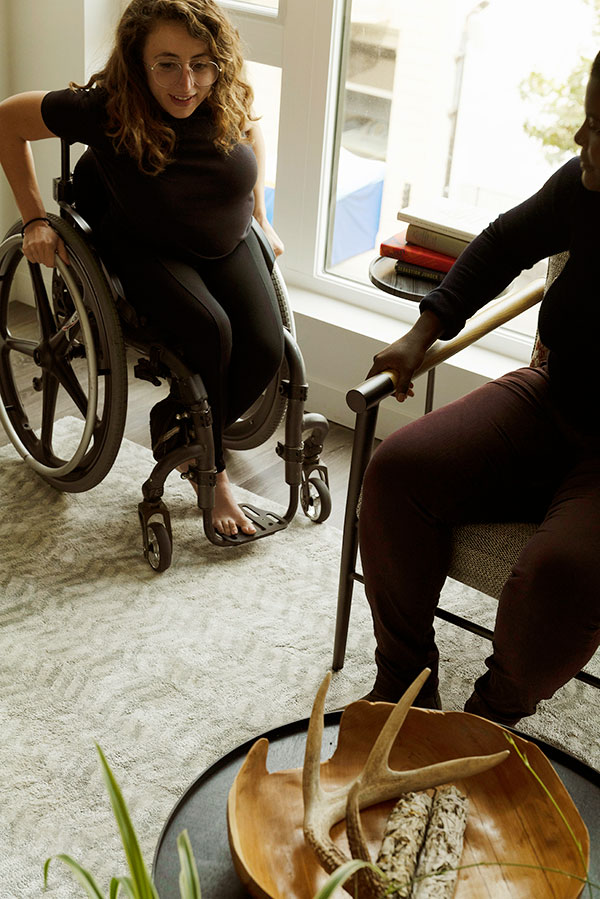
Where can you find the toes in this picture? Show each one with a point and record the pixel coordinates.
(225, 526)
(230, 528)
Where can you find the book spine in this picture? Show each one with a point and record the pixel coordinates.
(417, 271)
(426, 258)
(435, 240)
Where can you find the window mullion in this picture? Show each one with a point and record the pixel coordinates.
(310, 33)
(262, 37)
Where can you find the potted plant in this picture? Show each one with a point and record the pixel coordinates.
(138, 885)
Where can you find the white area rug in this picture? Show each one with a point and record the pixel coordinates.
(168, 672)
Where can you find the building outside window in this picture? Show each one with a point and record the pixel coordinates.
(386, 102)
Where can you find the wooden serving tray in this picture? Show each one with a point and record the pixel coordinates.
(511, 819)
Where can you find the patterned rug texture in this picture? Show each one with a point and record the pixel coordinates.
(168, 672)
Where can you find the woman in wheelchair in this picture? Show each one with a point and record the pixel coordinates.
(174, 174)
(525, 447)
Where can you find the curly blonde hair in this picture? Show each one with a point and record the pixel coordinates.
(133, 119)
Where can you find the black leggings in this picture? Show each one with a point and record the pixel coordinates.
(220, 316)
(500, 454)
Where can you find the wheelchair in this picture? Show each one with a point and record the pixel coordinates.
(76, 360)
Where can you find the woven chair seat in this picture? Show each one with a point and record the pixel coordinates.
(484, 554)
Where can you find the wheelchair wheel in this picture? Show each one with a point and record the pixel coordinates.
(61, 354)
(265, 415)
(315, 500)
(160, 549)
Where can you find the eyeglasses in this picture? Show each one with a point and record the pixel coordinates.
(169, 74)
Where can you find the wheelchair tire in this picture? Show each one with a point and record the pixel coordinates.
(76, 354)
(315, 500)
(160, 548)
(264, 416)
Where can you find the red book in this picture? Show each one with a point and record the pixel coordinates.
(397, 248)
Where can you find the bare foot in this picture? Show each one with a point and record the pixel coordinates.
(227, 517)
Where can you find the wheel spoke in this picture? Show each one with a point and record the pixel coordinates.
(70, 382)
(49, 394)
(20, 345)
(46, 318)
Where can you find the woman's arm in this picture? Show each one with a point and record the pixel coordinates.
(406, 355)
(257, 141)
(538, 227)
(21, 122)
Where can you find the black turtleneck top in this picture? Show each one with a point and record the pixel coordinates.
(199, 206)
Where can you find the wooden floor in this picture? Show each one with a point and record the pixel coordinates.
(259, 470)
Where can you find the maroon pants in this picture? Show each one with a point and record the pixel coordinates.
(502, 453)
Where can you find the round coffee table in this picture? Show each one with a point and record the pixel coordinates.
(203, 809)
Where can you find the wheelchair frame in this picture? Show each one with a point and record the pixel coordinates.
(88, 317)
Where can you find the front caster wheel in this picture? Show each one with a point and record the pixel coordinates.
(160, 548)
(316, 500)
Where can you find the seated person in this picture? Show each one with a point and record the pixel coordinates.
(169, 123)
(523, 447)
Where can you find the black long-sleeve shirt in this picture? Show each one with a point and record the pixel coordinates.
(563, 215)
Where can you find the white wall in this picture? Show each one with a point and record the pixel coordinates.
(46, 52)
(44, 46)
(7, 207)
(101, 17)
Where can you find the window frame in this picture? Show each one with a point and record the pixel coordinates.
(305, 39)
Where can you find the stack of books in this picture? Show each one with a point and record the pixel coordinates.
(434, 237)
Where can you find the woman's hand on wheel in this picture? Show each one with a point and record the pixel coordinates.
(41, 243)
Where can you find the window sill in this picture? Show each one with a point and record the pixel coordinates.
(338, 341)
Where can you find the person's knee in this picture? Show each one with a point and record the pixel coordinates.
(565, 576)
(385, 481)
(396, 464)
(264, 352)
(272, 350)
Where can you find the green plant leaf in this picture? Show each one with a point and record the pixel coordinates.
(141, 882)
(125, 882)
(341, 875)
(83, 877)
(189, 882)
(578, 846)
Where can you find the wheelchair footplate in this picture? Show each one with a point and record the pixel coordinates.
(266, 523)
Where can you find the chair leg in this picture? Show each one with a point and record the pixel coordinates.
(346, 586)
(362, 447)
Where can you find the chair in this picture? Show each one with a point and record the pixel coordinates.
(482, 554)
(77, 357)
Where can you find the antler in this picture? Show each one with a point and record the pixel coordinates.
(376, 783)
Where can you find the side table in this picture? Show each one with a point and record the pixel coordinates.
(203, 809)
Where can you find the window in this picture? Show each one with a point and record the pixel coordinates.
(387, 101)
(260, 5)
